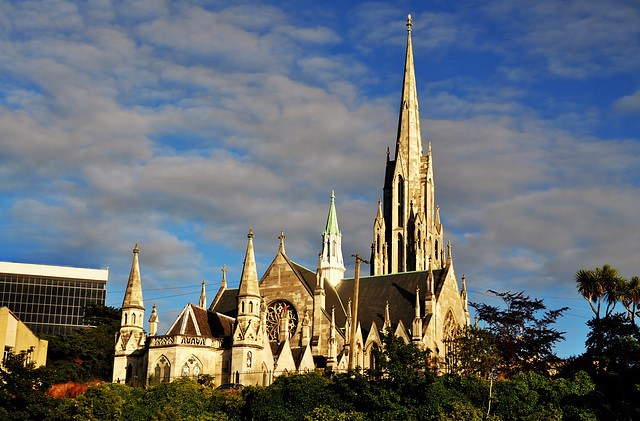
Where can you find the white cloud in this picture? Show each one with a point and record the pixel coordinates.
(629, 103)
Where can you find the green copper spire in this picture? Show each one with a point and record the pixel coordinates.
(332, 220)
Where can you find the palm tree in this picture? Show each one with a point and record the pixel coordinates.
(630, 297)
(613, 283)
(594, 285)
(590, 289)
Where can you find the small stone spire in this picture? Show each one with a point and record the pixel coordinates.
(203, 297)
(387, 318)
(153, 321)
(449, 258)
(249, 279)
(417, 320)
(319, 279)
(223, 283)
(133, 294)
(437, 215)
(281, 238)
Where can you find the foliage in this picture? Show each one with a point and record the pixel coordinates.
(289, 397)
(23, 388)
(473, 351)
(399, 364)
(600, 284)
(524, 339)
(87, 354)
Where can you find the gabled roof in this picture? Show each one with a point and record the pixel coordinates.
(196, 321)
(399, 289)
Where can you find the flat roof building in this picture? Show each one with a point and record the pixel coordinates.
(51, 299)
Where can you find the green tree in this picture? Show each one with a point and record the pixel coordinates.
(473, 351)
(399, 364)
(23, 388)
(87, 354)
(524, 338)
(630, 297)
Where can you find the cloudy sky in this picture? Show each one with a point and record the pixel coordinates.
(178, 125)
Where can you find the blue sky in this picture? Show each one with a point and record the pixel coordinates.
(178, 125)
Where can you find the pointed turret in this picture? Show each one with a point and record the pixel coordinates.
(153, 321)
(332, 219)
(378, 248)
(221, 291)
(332, 262)
(387, 318)
(203, 297)
(249, 279)
(417, 320)
(133, 293)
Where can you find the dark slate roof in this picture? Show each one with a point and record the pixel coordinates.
(228, 303)
(221, 325)
(399, 289)
(332, 299)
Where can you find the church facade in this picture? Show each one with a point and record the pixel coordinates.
(294, 319)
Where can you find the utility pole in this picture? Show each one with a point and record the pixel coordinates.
(354, 322)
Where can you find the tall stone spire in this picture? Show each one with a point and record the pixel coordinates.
(133, 294)
(249, 278)
(409, 142)
(410, 233)
(332, 263)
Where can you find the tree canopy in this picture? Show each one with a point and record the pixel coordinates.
(522, 331)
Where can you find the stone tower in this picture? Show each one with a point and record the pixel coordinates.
(130, 340)
(407, 230)
(332, 264)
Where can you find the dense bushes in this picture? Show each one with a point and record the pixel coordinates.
(312, 397)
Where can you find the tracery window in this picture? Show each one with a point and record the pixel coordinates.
(275, 312)
(449, 331)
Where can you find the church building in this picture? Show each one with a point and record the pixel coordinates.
(294, 319)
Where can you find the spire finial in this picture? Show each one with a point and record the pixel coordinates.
(136, 250)
(281, 238)
(250, 235)
(409, 23)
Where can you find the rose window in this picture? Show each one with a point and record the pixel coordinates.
(275, 313)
